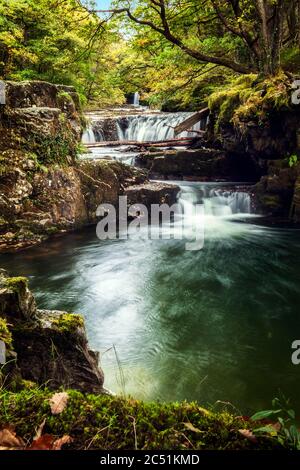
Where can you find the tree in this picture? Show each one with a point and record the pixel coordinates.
(61, 42)
(260, 25)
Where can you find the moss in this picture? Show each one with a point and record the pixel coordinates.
(106, 422)
(68, 322)
(64, 97)
(17, 284)
(5, 334)
(249, 99)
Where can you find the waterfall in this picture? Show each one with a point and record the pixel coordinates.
(218, 201)
(153, 127)
(88, 136)
(138, 127)
(136, 99)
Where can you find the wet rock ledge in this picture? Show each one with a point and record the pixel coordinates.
(45, 190)
(42, 347)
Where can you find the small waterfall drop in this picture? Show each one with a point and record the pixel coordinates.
(218, 200)
(88, 136)
(221, 205)
(153, 127)
(136, 99)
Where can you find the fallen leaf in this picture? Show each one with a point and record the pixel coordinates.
(58, 402)
(9, 440)
(40, 430)
(248, 435)
(191, 427)
(44, 442)
(57, 445)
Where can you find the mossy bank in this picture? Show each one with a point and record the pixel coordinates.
(115, 423)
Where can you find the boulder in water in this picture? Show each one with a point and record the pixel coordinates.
(49, 348)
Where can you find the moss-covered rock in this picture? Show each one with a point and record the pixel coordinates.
(256, 117)
(49, 347)
(68, 322)
(16, 301)
(17, 284)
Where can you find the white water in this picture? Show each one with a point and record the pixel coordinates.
(223, 204)
(139, 127)
(136, 99)
(88, 136)
(153, 127)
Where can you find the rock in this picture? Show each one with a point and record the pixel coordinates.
(106, 129)
(295, 207)
(66, 198)
(35, 93)
(274, 192)
(201, 163)
(50, 348)
(152, 193)
(52, 354)
(41, 118)
(16, 301)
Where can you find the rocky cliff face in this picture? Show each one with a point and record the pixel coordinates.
(45, 347)
(257, 121)
(42, 119)
(44, 189)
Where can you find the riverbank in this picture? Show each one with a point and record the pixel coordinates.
(115, 423)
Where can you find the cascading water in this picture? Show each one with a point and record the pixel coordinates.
(153, 127)
(136, 99)
(217, 199)
(220, 204)
(88, 136)
(138, 127)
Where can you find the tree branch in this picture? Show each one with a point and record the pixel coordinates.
(166, 32)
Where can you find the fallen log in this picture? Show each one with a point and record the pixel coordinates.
(191, 121)
(157, 143)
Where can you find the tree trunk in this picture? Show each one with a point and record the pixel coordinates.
(270, 16)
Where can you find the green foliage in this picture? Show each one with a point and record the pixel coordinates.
(106, 422)
(284, 427)
(69, 322)
(293, 160)
(250, 99)
(59, 42)
(109, 57)
(5, 334)
(290, 59)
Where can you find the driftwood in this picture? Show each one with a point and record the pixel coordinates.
(159, 143)
(191, 121)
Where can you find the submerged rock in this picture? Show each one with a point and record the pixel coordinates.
(47, 347)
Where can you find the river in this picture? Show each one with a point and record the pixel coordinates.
(171, 324)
